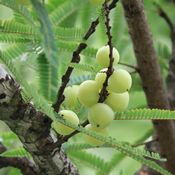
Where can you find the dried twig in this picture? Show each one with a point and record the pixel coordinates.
(136, 69)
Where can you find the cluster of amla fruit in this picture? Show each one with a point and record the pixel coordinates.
(100, 115)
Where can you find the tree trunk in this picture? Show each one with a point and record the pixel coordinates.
(151, 77)
(33, 129)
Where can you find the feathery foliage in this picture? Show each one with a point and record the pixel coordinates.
(53, 39)
(43, 106)
(47, 76)
(65, 10)
(90, 159)
(146, 114)
(18, 152)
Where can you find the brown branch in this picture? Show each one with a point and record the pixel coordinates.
(104, 93)
(151, 77)
(22, 163)
(76, 59)
(165, 16)
(130, 66)
(2, 148)
(66, 76)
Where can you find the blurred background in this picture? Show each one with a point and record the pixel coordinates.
(128, 131)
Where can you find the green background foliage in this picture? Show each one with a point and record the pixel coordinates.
(70, 23)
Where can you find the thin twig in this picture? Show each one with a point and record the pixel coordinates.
(76, 59)
(104, 93)
(130, 66)
(165, 16)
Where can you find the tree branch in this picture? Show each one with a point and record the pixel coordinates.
(165, 16)
(33, 129)
(150, 74)
(104, 93)
(136, 69)
(21, 163)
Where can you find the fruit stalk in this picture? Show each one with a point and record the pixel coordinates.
(104, 93)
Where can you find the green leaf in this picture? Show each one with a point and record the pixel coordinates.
(13, 27)
(48, 78)
(90, 159)
(79, 79)
(76, 146)
(14, 51)
(71, 34)
(65, 10)
(146, 114)
(20, 9)
(48, 38)
(71, 46)
(15, 38)
(17, 152)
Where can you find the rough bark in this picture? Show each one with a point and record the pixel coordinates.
(33, 129)
(151, 77)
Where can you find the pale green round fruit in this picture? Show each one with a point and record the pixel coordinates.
(67, 115)
(120, 81)
(101, 77)
(88, 93)
(102, 56)
(71, 96)
(91, 140)
(100, 115)
(118, 102)
(97, 2)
